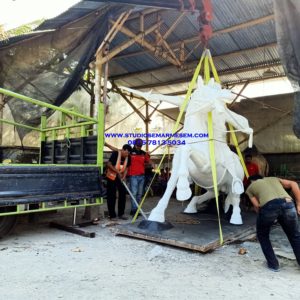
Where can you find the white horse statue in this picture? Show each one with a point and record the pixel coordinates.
(192, 160)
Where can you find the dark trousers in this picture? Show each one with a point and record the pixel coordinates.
(286, 214)
(112, 187)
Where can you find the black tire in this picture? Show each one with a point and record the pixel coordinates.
(7, 223)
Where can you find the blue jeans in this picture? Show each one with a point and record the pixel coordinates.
(137, 189)
(285, 212)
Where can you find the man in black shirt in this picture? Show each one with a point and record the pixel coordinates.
(116, 172)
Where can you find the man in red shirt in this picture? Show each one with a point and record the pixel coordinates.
(136, 173)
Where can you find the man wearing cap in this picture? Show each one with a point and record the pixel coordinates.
(136, 173)
(252, 169)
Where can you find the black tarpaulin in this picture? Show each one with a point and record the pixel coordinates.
(48, 66)
(287, 16)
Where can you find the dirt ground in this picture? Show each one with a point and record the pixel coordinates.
(39, 262)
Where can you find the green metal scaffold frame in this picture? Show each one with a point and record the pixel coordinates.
(44, 130)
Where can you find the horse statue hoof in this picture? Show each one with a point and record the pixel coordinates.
(155, 226)
(190, 210)
(237, 187)
(236, 220)
(156, 216)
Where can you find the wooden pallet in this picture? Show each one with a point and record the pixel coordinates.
(197, 232)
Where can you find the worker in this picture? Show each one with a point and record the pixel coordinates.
(273, 203)
(116, 172)
(136, 173)
(252, 169)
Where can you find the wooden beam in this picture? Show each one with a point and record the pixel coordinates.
(98, 75)
(123, 119)
(164, 42)
(116, 88)
(231, 85)
(238, 94)
(104, 96)
(145, 12)
(182, 56)
(1, 117)
(142, 23)
(146, 44)
(224, 72)
(134, 38)
(154, 110)
(256, 79)
(147, 121)
(244, 25)
(267, 125)
(169, 5)
(261, 103)
(193, 63)
(172, 27)
(166, 115)
(192, 51)
(114, 30)
(251, 67)
(194, 39)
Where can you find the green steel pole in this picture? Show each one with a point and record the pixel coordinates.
(19, 125)
(83, 132)
(69, 126)
(100, 135)
(43, 104)
(68, 133)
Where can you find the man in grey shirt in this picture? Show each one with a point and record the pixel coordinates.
(272, 202)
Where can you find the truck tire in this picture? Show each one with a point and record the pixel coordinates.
(7, 223)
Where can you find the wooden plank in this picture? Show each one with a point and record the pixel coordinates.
(198, 233)
(72, 229)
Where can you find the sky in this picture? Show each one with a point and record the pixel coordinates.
(14, 13)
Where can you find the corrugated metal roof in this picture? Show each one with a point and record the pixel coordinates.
(75, 12)
(138, 67)
(227, 13)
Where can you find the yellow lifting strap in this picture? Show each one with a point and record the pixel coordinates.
(235, 142)
(182, 109)
(233, 135)
(208, 63)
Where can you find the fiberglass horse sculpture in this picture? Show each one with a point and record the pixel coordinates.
(192, 160)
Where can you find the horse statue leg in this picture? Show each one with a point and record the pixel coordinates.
(237, 186)
(179, 176)
(196, 200)
(234, 200)
(158, 212)
(184, 191)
